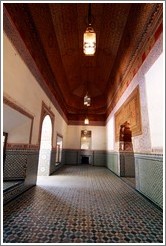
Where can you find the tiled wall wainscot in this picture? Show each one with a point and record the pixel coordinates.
(55, 166)
(20, 164)
(126, 164)
(74, 157)
(149, 176)
(44, 162)
(99, 158)
(53, 161)
(121, 163)
(32, 167)
(70, 156)
(15, 164)
(112, 162)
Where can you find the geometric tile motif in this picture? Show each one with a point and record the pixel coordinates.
(15, 164)
(149, 177)
(32, 167)
(53, 161)
(15, 185)
(82, 204)
(44, 162)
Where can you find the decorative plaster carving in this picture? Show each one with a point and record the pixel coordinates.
(130, 112)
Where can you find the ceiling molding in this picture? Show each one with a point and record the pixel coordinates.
(52, 50)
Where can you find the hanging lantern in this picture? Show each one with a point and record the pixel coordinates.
(86, 121)
(89, 37)
(89, 42)
(87, 100)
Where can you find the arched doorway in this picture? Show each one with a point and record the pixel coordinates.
(125, 137)
(45, 147)
(126, 157)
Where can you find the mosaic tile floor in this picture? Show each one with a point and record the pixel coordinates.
(82, 204)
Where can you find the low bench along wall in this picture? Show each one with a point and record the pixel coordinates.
(20, 165)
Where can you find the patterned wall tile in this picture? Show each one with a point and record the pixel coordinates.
(71, 156)
(15, 164)
(53, 161)
(15, 170)
(32, 166)
(44, 162)
(99, 158)
(148, 171)
(112, 162)
(149, 177)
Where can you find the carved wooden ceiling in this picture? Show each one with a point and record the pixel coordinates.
(49, 37)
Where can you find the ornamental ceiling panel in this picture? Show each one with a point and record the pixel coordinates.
(49, 38)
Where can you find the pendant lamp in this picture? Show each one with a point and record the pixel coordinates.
(89, 37)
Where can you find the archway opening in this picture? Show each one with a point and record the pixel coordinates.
(45, 147)
(127, 163)
(125, 137)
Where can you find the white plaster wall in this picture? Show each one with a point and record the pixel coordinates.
(98, 138)
(74, 137)
(19, 134)
(141, 143)
(154, 81)
(20, 86)
(17, 125)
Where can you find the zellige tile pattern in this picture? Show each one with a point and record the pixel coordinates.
(82, 204)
